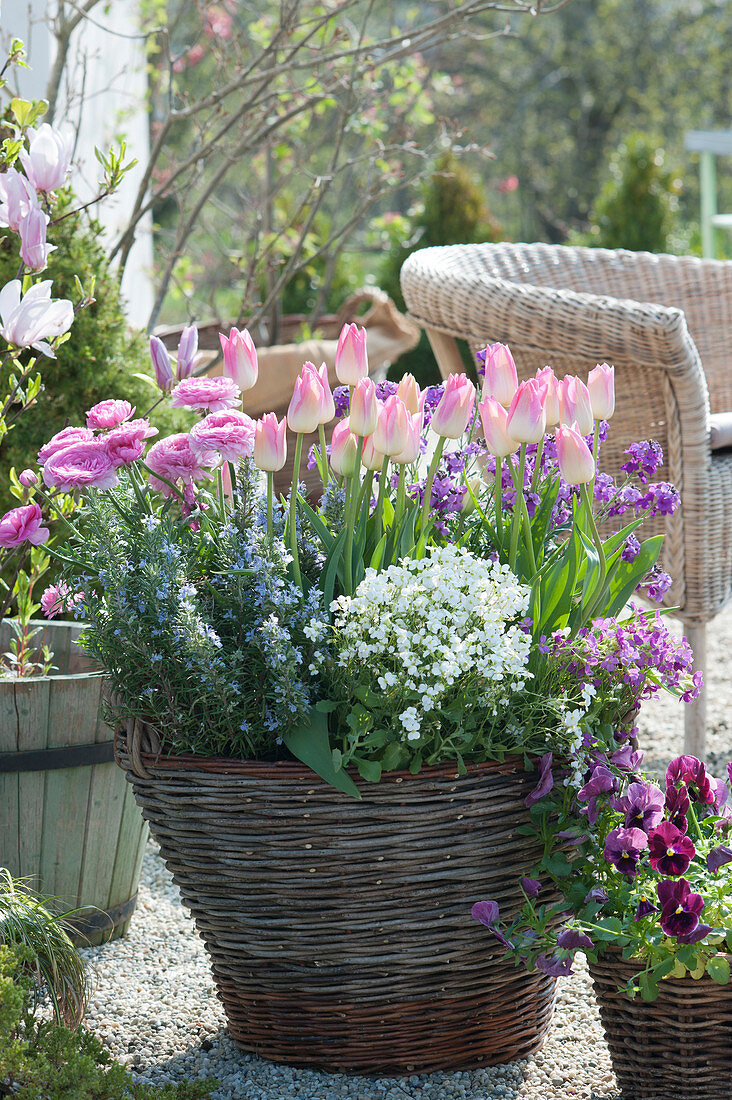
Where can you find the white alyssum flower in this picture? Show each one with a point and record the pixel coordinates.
(420, 626)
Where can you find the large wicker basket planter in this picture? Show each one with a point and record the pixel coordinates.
(339, 931)
(676, 1048)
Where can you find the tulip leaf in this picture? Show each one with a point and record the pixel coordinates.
(321, 529)
(330, 573)
(718, 969)
(627, 575)
(310, 744)
(378, 555)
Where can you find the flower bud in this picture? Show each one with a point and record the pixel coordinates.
(364, 408)
(343, 450)
(575, 406)
(526, 418)
(391, 434)
(240, 358)
(34, 251)
(161, 363)
(493, 417)
(451, 417)
(548, 378)
(601, 387)
(307, 404)
(410, 453)
(576, 464)
(28, 478)
(328, 410)
(410, 393)
(500, 379)
(270, 442)
(351, 361)
(187, 352)
(48, 157)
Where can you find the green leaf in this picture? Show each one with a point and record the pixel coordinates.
(311, 745)
(558, 865)
(325, 535)
(628, 575)
(660, 970)
(392, 757)
(326, 706)
(648, 986)
(370, 770)
(378, 555)
(337, 757)
(718, 969)
(728, 938)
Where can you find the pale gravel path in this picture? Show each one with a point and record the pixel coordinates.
(154, 1001)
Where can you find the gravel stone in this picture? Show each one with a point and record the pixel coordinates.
(155, 1007)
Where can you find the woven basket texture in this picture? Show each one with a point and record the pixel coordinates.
(676, 1048)
(339, 931)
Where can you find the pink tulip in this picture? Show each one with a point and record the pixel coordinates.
(307, 405)
(328, 411)
(493, 417)
(240, 358)
(23, 524)
(526, 418)
(17, 198)
(351, 362)
(410, 453)
(161, 364)
(601, 386)
(451, 417)
(391, 434)
(47, 160)
(500, 379)
(34, 251)
(575, 406)
(343, 450)
(187, 352)
(576, 463)
(370, 457)
(364, 408)
(270, 442)
(548, 378)
(410, 393)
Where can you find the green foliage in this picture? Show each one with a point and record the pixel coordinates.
(636, 207)
(41, 1060)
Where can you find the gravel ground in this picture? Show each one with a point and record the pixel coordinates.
(154, 1003)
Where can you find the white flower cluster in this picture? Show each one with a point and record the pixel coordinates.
(420, 626)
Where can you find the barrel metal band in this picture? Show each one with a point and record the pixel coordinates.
(90, 920)
(69, 756)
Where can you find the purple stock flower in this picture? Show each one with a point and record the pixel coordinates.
(661, 499)
(571, 939)
(623, 848)
(670, 851)
(645, 908)
(530, 886)
(719, 857)
(631, 549)
(642, 805)
(546, 781)
(657, 585)
(645, 458)
(555, 967)
(680, 909)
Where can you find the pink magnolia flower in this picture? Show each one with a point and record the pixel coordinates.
(601, 387)
(63, 439)
(174, 459)
(83, 465)
(161, 363)
(493, 417)
(270, 442)
(307, 408)
(214, 394)
(500, 379)
(240, 358)
(391, 434)
(24, 524)
(344, 449)
(187, 352)
(34, 249)
(351, 361)
(126, 442)
(575, 405)
(451, 417)
(410, 393)
(17, 198)
(230, 432)
(109, 413)
(576, 464)
(547, 377)
(34, 319)
(48, 157)
(526, 419)
(59, 597)
(364, 410)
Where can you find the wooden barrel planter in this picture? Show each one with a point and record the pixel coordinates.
(339, 931)
(678, 1047)
(69, 825)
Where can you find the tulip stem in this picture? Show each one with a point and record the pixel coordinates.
(498, 497)
(401, 494)
(270, 510)
(426, 502)
(517, 516)
(368, 482)
(323, 455)
(232, 476)
(350, 493)
(598, 544)
(537, 465)
(595, 449)
(293, 509)
(380, 499)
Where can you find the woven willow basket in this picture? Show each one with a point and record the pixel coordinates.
(676, 1048)
(339, 931)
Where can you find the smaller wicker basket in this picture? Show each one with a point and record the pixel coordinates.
(679, 1046)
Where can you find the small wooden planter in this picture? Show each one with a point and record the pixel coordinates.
(676, 1048)
(69, 825)
(339, 931)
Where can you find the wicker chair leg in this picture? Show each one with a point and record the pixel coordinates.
(446, 352)
(696, 713)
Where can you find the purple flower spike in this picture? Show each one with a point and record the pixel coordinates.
(680, 909)
(645, 907)
(718, 857)
(531, 887)
(670, 851)
(571, 939)
(623, 848)
(554, 966)
(642, 805)
(546, 781)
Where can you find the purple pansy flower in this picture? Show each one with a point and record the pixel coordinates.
(642, 805)
(718, 857)
(601, 781)
(487, 913)
(690, 772)
(670, 851)
(627, 759)
(571, 939)
(598, 894)
(645, 907)
(555, 967)
(546, 780)
(680, 909)
(530, 886)
(677, 806)
(623, 849)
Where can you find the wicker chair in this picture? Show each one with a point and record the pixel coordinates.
(657, 319)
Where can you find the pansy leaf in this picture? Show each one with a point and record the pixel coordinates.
(648, 986)
(718, 969)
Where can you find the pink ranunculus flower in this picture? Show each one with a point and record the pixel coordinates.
(526, 418)
(63, 439)
(17, 198)
(59, 597)
(34, 249)
(270, 443)
(230, 432)
(126, 443)
(214, 394)
(24, 524)
(548, 378)
(351, 361)
(575, 405)
(451, 417)
(493, 417)
(364, 411)
(240, 358)
(28, 478)
(174, 459)
(35, 318)
(576, 464)
(501, 378)
(48, 157)
(108, 414)
(601, 386)
(83, 465)
(343, 449)
(410, 393)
